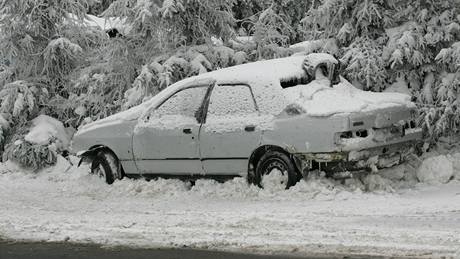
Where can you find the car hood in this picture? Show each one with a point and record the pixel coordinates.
(128, 115)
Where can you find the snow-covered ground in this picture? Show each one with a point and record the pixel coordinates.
(379, 216)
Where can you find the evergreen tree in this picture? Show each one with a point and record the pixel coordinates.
(385, 41)
(38, 54)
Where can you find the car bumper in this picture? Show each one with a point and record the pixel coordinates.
(378, 156)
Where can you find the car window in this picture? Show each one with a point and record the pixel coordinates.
(231, 100)
(183, 103)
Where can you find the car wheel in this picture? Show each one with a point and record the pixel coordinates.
(106, 165)
(275, 170)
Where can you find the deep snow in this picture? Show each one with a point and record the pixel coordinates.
(382, 215)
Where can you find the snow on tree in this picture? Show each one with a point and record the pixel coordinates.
(383, 41)
(51, 54)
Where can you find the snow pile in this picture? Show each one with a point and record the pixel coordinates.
(319, 99)
(276, 180)
(319, 215)
(46, 130)
(455, 159)
(435, 170)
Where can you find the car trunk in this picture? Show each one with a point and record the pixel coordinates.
(379, 128)
(381, 118)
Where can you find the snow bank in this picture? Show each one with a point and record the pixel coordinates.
(46, 130)
(455, 159)
(435, 170)
(319, 99)
(315, 216)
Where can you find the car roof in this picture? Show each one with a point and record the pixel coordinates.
(263, 76)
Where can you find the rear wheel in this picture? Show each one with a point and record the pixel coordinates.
(106, 165)
(275, 170)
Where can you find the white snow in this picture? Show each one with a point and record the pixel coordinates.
(436, 170)
(455, 159)
(45, 130)
(315, 59)
(3, 122)
(275, 180)
(4, 125)
(307, 47)
(319, 99)
(377, 216)
(103, 23)
(400, 86)
(245, 39)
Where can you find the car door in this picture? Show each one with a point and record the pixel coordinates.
(230, 132)
(166, 140)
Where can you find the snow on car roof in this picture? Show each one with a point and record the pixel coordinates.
(264, 77)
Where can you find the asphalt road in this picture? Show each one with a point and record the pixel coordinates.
(14, 250)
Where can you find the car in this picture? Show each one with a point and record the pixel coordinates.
(288, 115)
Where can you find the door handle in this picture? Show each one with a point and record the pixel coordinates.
(187, 131)
(250, 128)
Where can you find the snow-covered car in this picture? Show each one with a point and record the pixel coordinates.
(292, 114)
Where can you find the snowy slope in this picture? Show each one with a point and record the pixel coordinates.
(318, 216)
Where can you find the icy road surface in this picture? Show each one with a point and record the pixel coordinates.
(399, 218)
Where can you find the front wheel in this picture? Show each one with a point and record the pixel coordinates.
(275, 170)
(106, 165)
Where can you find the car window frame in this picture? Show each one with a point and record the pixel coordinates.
(208, 98)
(156, 107)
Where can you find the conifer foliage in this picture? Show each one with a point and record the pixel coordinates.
(57, 60)
(385, 41)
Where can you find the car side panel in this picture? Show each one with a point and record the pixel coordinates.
(116, 135)
(167, 150)
(227, 152)
(304, 134)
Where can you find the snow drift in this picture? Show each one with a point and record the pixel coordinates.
(375, 215)
(435, 170)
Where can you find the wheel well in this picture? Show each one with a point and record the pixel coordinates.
(92, 152)
(259, 152)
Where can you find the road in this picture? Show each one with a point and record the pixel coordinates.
(13, 250)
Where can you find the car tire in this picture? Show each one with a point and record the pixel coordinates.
(106, 165)
(276, 160)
